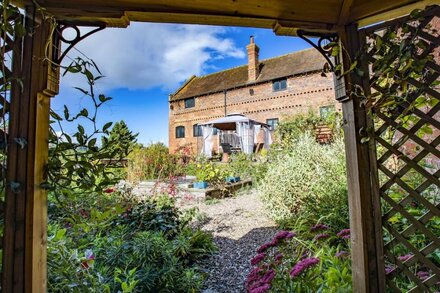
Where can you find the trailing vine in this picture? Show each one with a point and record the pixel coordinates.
(398, 58)
(11, 27)
(77, 162)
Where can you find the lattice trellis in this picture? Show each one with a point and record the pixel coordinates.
(10, 54)
(406, 136)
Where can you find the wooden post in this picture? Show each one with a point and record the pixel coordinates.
(25, 239)
(368, 275)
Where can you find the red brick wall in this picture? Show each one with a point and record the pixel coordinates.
(305, 92)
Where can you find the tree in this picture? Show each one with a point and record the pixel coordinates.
(121, 140)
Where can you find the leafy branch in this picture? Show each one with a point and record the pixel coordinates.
(76, 162)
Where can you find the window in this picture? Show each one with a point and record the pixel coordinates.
(215, 131)
(272, 122)
(197, 130)
(180, 131)
(190, 103)
(279, 85)
(326, 111)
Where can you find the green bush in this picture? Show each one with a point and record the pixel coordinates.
(290, 129)
(309, 180)
(146, 246)
(253, 167)
(152, 162)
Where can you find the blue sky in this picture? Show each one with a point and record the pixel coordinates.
(144, 63)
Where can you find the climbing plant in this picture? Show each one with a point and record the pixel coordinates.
(77, 162)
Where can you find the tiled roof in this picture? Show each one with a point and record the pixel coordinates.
(304, 61)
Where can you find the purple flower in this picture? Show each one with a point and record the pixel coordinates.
(342, 253)
(262, 289)
(265, 246)
(389, 269)
(322, 236)
(268, 277)
(405, 257)
(278, 257)
(253, 278)
(258, 258)
(302, 266)
(305, 255)
(345, 233)
(283, 235)
(319, 227)
(423, 275)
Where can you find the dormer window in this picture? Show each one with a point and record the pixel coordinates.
(279, 85)
(190, 103)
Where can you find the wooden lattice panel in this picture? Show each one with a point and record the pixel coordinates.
(6, 51)
(406, 136)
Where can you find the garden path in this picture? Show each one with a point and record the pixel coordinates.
(239, 225)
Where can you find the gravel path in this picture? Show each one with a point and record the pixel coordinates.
(239, 226)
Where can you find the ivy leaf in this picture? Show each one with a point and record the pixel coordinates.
(84, 112)
(353, 66)
(335, 51)
(82, 90)
(379, 43)
(66, 113)
(103, 98)
(55, 116)
(107, 126)
(92, 143)
(89, 75)
(81, 129)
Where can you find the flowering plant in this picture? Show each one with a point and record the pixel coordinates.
(308, 262)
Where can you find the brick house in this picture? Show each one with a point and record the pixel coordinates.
(264, 90)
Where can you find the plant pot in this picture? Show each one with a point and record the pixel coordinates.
(200, 185)
(232, 179)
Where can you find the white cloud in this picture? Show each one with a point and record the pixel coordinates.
(149, 55)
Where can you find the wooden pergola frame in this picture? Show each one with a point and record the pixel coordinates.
(25, 239)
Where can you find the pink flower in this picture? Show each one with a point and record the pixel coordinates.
(322, 236)
(278, 257)
(265, 246)
(342, 253)
(345, 233)
(258, 258)
(318, 227)
(284, 235)
(262, 289)
(303, 266)
(268, 277)
(423, 275)
(405, 257)
(389, 269)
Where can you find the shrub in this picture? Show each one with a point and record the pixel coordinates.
(146, 246)
(309, 180)
(314, 261)
(290, 129)
(151, 162)
(211, 172)
(253, 167)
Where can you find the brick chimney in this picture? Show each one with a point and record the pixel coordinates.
(253, 64)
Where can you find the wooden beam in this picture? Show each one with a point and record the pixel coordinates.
(344, 13)
(364, 207)
(24, 255)
(364, 18)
